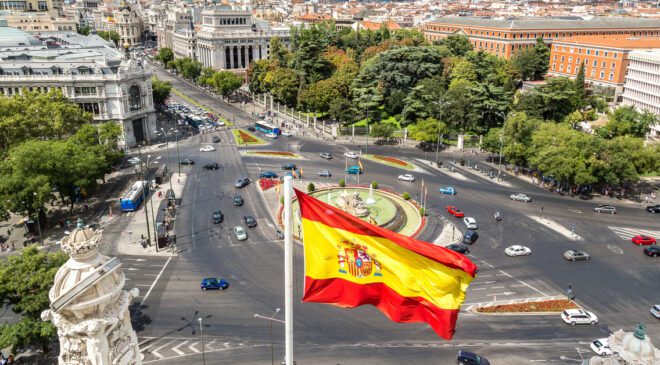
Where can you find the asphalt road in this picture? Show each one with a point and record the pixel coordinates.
(619, 284)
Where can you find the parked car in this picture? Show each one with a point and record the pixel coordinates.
(325, 173)
(578, 316)
(207, 149)
(460, 248)
(407, 177)
(240, 233)
(267, 175)
(213, 283)
(187, 161)
(216, 139)
(643, 240)
(517, 250)
(455, 211)
(604, 208)
(653, 208)
(289, 166)
(655, 311)
(470, 223)
(652, 251)
(470, 237)
(252, 129)
(326, 155)
(351, 155)
(134, 160)
(238, 200)
(576, 255)
(287, 133)
(470, 358)
(250, 221)
(271, 135)
(211, 166)
(601, 347)
(217, 217)
(448, 190)
(520, 197)
(242, 182)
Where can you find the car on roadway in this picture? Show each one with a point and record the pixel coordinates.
(520, 197)
(267, 175)
(406, 177)
(250, 221)
(217, 217)
(252, 129)
(213, 283)
(211, 166)
(271, 135)
(470, 223)
(287, 134)
(447, 190)
(352, 155)
(576, 255)
(216, 139)
(470, 358)
(353, 170)
(187, 161)
(134, 160)
(242, 182)
(325, 173)
(601, 347)
(653, 208)
(326, 155)
(655, 311)
(470, 237)
(652, 251)
(459, 247)
(240, 233)
(578, 316)
(455, 211)
(517, 250)
(605, 208)
(289, 166)
(643, 240)
(207, 149)
(238, 200)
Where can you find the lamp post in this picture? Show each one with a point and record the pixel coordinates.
(499, 165)
(167, 147)
(178, 159)
(271, 319)
(201, 335)
(144, 196)
(440, 135)
(366, 146)
(41, 240)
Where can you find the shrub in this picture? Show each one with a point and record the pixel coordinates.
(282, 200)
(342, 183)
(310, 187)
(422, 212)
(374, 184)
(405, 195)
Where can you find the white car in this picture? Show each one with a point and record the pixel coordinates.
(407, 177)
(207, 149)
(655, 311)
(517, 250)
(271, 135)
(521, 197)
(220, 123)
(350, 155)
(470, 222)
(601, 347)
(287, 133)
(578, 316)
(240, 233)
(134, 161)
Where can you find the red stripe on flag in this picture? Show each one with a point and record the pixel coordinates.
(347, 294)
(318, 211)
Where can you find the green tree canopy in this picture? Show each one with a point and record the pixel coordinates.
(626, 120)
(533, 62)
(110, 36)
(427, 130)
(161, 90)
(283, 84)
(83, 30)
(165, 55)
(226, 82)
(382, 130)
(457, 44)
(553, 101)
(423, 100)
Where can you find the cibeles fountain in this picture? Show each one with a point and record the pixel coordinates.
(630, 348)
(90, 307)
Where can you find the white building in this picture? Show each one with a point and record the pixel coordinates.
(174, 19)
(128, 25)
(88, 70)
(185, 42)
(230, 39)
(642, 85)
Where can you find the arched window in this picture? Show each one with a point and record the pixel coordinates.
(134, 98)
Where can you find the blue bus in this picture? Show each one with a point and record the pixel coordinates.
(266, 128)
(132, 197)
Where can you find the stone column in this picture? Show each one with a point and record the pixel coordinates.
(246, 56)
(255, 53)
(223, 58)
(231, 57)
(262, 50)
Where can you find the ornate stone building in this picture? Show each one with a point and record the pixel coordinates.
(185, 42)
(129, 25)
(630, 348)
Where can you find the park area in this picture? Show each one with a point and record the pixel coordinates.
(391, 161)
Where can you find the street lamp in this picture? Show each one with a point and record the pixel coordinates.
(144, 198)
(41, 240)
(167, 147)
(437, 145)
(499, 165)
(271, 319)
(201, 335)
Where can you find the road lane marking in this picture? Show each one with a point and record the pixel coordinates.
(533, 288)
(155, 281)
(176, 348)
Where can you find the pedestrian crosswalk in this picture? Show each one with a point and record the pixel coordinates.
(154, 349)
(628, 233)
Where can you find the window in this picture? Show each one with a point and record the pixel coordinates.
(554, 58)
(554, 66)
(593, 73)
(602, 74)
(561, 67)
(595, 63)
(604, 64)
(597, 53)
(586, 61)
(611, 76)
(570, 59)
(134, 98)
(568, 69)
(85, 90)
(577, 61)
(614, 54)
(562, 58)
(90, 108)
(606, 53)
(613, 66)
(588, 51)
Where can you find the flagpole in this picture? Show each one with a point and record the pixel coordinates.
(288, 270)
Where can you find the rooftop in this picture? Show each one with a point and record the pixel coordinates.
(613, 41)
(551, 23)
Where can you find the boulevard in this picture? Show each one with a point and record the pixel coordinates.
(618, 284)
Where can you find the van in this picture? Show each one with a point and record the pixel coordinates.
(289, 166)
(470, 237)
(353, 170)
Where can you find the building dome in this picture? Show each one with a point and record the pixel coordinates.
(12, 37)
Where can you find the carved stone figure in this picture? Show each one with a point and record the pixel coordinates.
(89, 306)
(630, 348)
(352, 204)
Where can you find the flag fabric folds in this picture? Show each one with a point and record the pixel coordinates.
(360, 164)
(350, 262)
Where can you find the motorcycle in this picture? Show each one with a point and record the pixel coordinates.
(497, 216)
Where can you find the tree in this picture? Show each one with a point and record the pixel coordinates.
(83, 30)
(423, 100)
(160, 90)
(343, 110)
(165, 55)
(318, 96)
(552, 101)
(457, 44)
(278, 52)
(25, 280)
(226, 82)
(626, 120)
(109, 36)
(508, 76)
(463, 69)
(427, 130)
(382, 130)
(205, 77)
(457, 107)
(491, 103)
(580, 87)
(283, 84)
(257, 72)
(533, 63)
(190, 69)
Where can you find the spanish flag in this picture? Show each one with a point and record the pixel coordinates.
(349, 262)
(360, 164)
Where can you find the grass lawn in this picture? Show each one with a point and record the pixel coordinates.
(245, 138)
(391, 161)
(183, 96)
(385, 119)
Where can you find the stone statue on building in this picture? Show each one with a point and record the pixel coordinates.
(630, 348)
(89, 306)
(352, 204)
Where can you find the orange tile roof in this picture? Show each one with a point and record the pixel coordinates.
(376, 26)
(612, 41)
(313, 16)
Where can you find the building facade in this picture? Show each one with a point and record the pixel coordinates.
(185, 42)
(88, 70)
(31, 5)
(174, 19)
(605, 58)
(38, 22)
(128, 25)
(642, 86)
(229, 39)
(506, 37)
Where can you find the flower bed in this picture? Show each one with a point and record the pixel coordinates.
(553, 305)
(392, 161)
(266, 184)
(245, 138)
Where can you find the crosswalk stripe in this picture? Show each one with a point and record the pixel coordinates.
(155, 351)
(176, 348)
(628, 233)
(193, 348)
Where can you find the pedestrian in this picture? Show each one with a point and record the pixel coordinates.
(10, 360)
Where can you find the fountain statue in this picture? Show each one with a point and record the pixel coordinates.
(630, 348)
(352, 204)
(89, 306)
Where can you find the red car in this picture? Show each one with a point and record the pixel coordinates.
(641, 239)
(455, 211)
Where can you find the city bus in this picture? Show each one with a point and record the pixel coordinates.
(267, 128)
(132, 197)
